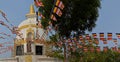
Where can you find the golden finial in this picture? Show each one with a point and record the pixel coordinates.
(32, 11)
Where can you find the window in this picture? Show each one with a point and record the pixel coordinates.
(30, 36)
(20, 50)
(39, 50)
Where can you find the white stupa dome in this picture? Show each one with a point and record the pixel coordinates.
(29, 25)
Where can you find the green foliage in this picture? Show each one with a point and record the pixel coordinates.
(46, 11)
(110, 56)
(80, 56)
(77, 14)
(57, 54)
(53, 38)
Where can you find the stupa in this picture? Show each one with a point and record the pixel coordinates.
(28, 47)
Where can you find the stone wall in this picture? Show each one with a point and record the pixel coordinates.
(31, 58)
(9, 60)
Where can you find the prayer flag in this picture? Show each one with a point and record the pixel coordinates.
(109, 36)
(98, 49)
(114, 40)
(81, 37)
(53, 17)
(118, 35)
(105, 49)
(85, 49)
(96, 41)
(104, 41)
(4, 15)
(40, 14)
(38, 3)
(101, 36)
(87, 37)
(60, 4)
(57, 11)
(94, 35)
(91, 49)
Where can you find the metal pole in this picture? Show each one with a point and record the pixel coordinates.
(65, 59)
(65, 54)
(37, 25)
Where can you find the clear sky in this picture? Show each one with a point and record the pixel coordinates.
(108, 20)
(16, 10)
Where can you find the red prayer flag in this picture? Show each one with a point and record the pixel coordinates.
(105, 49)
(80, 46)
(115, 40)
(90, 41)
(38, 3)
(98, 49)
(73, 49)
(101, 36)
(114, 49)
(1, 45)
(81, 37)
(96, 41)
(85, 49)
(41, 15)
(118, 35)
(39, 24)
(60, 4)
(53, 17)
(104, 41)
(118, 50)
(87, 37)
(94, 35)
(109, 36)
(91, 49)
(57, 11)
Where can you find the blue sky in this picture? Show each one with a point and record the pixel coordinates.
(108, 20)
(16, 10)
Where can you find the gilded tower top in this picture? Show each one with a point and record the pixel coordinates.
(31, 12)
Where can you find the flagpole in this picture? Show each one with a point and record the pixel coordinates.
(65, 57)
(37, 24)
(64, 41)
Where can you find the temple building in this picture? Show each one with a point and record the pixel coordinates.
(30, 45)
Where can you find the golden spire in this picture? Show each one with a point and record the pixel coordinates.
(32, 11)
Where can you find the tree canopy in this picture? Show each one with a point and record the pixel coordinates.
(77, 15)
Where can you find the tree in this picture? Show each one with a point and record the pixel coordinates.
(78, 15)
